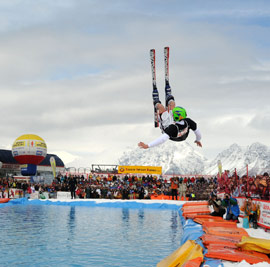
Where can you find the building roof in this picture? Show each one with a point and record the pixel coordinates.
(6, 157)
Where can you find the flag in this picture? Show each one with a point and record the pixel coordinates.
(219, 168)
(53, 165)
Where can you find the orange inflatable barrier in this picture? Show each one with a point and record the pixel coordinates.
(195, 203)
(191, 208)
(202, 210)
(4, 200)
(219, 224)
(161, 197)
(198, 209)
(234, 254)
(208, 219)
(203, 216)
(221, 240)
(223, 231)
(165, 197)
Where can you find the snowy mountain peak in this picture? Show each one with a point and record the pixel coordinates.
(175, 158)
(232, 150)
(257, 147)
(182, 158)
(256, 156)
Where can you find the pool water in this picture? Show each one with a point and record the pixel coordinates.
(33, 235)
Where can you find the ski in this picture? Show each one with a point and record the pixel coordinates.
(154, 83)
(168, 90)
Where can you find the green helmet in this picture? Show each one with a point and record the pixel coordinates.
(179, 113)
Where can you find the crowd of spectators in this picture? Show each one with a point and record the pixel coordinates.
(143, 187)
(116, 187)
(246, 186)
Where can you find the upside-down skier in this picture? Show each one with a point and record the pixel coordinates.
(172, 119)
(174, 125)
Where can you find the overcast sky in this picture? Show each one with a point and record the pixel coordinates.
(77, 72)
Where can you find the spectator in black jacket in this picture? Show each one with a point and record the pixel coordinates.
(216, 203)
(72, 186)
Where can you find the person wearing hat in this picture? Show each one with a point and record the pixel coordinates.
(216, 203)
(174, 123)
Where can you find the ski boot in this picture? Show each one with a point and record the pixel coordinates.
(255, 225)
(155, 96)
(168, 90)
(169, 98)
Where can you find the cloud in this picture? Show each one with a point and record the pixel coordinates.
(65, 156)
(84, 84)
(261, 122)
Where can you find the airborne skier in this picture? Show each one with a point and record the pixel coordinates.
(173, 119)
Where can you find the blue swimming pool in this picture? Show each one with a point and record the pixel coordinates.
(39, 235)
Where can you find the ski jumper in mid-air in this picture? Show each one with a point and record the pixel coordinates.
(172, 119)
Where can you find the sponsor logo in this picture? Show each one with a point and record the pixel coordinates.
(140, 169)
(41, 145)
(183, 132)
(18, 144)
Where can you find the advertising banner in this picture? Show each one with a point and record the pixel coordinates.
(140, 169)
(63, 195)
(264, 219)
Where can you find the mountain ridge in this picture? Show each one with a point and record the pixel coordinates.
(190, 161)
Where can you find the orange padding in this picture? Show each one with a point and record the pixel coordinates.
(195, 203)
(165, 197)
(161, 197)
(233, 254)
(223, 231)
(193, 263)
(187, 215)
(4, 200)
(219, 224)
(195, 210)
(194, 207)
(202, 216)
(202, 220)
(231, 241)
